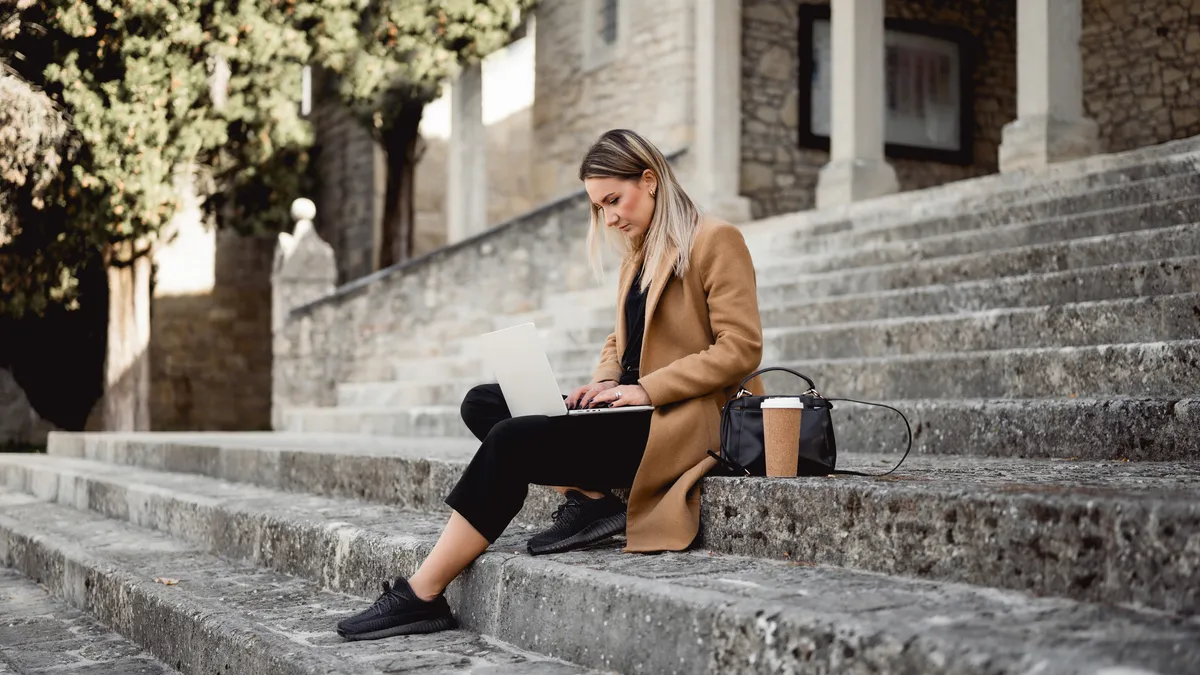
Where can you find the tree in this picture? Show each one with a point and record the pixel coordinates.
(135, 79)
(115, 102)
(390, 59)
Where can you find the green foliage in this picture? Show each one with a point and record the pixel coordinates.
(135, 80)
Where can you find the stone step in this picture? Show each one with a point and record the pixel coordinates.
(1154, 319)
(1126, 526)
(986, 193)
(1143, 245)
(221, 616)
(603, 609)
(1138, 370)
(1169, 276)
(814, 256)
(1090, 284)
(1112, 428)
(41, 634)
(1142, 369)
(1107, 203)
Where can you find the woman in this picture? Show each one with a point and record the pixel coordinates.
(687, 332)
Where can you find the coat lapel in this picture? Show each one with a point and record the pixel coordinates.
(656, 290)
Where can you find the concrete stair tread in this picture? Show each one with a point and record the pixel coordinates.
(900, 625)
(1060, 180)
(1127, 208)
(1069, 254)
(946, 474)
(224, 616)
(1092, 428)
(41, 634)
(969, 519)
(1139, 369)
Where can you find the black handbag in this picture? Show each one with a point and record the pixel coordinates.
(742, 448)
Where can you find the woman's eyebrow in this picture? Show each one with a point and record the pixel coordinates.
(605, 198)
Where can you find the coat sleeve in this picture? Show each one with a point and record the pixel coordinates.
(610, 363)
(727, 273)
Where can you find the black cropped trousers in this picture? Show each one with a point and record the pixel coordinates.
(592, 452)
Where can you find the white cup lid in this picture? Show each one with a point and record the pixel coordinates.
(783, 402)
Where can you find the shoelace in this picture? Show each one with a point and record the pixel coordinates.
(387, 599)
(571, 505)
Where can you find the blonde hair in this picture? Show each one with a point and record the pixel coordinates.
(666, 247)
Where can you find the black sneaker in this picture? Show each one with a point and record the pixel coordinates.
(398, 611)
(580, 521)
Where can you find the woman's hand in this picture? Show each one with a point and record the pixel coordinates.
(626, 394)
(583, 396)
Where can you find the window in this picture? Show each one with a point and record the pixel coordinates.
(608, 21)
(604, 28)
(928, 89)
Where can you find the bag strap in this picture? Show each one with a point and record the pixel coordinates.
(751, 376)
(907, 428)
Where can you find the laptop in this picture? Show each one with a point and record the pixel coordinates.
(522, 368)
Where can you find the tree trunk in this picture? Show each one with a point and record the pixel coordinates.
(400, 144)
(125, 405)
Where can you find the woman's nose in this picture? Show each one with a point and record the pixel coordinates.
(610, 219)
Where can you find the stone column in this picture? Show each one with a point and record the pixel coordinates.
(466, 193)
(305, 269)
(857, 169)
(718, 144)
(1050, 125)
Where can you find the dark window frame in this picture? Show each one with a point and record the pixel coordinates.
(965, 42)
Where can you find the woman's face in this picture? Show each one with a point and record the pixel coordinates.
(627, 205)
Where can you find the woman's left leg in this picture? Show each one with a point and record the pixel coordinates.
(599, 452)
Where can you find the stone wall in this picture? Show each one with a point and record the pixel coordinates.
(646, 87)
(779, 176)
(509, 175)
(210, 350)
(349, 336)
(1139, 58)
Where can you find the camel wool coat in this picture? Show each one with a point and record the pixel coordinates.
(703, 335)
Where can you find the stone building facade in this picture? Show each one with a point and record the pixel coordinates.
(643, 64)
(210, 334)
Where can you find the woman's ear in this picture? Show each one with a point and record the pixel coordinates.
(650, 181)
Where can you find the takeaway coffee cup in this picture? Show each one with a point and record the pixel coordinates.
(781, 434)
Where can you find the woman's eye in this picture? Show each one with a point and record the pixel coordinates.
(614, 202)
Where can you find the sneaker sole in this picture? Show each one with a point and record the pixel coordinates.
(415, 628)
(601, 529)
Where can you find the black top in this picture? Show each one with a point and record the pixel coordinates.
(635, 325)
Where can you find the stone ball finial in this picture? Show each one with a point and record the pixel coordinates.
(304, 209)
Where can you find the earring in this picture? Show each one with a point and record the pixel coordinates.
(652, 193)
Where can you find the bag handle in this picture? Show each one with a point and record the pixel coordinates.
(907, 428)
(751, 376)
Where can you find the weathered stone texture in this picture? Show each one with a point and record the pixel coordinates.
(1139, 61)
(647, 86)
(350, 337)
(19, 422)
(210, 352)
(779, 176)
(509, 178)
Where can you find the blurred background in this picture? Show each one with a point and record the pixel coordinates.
(150, 151)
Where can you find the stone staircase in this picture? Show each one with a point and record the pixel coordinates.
(1041, 331)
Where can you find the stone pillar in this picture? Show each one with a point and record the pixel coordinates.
(857, 169)
(305, 269)
(718, 143)
(466, 193)
(1050, 125)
